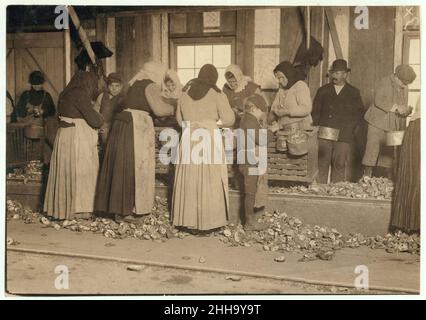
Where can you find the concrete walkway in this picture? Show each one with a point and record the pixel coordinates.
(399, 272)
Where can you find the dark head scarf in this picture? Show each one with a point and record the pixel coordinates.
(84, 81)
(290, 72)
(36, 78)
(206, 80)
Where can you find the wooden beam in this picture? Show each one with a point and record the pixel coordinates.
(156, 37)
(333, 31)
(325, 45)
(399, 17)
(38, 43)
(110, 42)
(67, 55)
(165, 39)
(82, 34)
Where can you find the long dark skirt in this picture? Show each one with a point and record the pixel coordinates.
(406, 200)
(116, 185)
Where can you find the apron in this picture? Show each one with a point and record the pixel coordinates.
(144, 150)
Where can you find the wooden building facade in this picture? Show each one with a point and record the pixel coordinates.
(255, 38)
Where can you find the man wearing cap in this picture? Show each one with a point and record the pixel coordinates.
(108, 102)
(387, 113)
(337, 105)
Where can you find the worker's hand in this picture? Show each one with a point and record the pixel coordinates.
(274, 127)
(30, 109)
(395, 108)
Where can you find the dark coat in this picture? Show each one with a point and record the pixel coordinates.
(343, 111)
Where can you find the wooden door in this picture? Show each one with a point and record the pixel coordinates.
(27, 52)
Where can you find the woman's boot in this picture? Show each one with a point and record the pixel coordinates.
(252, 217)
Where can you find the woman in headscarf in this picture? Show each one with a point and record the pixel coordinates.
(172, 87)
(36, 108)
(126, 184)
(71, 185)
(35, 104)
(292, 104)
(237, 88)
(200, 193)
(406, 197)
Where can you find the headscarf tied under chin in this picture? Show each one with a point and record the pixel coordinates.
(206, 80)
(173, 76)
(151, 70)
(242, 80)
(290, 72)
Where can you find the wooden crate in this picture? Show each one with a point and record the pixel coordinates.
(281, 165)
(19, 149)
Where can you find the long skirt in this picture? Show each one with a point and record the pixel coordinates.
(406, 200)
(74, 166)
(127, 179)
(200, 193)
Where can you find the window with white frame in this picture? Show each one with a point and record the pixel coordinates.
(191, 55)
(411, 56)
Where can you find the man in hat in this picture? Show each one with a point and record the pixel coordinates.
(387, 113)
(337, 105)
(108, 102)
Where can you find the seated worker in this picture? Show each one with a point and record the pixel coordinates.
(35, 104)
(255, 185)
(108, 103)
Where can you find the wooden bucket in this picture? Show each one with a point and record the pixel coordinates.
(281, 143)
(297, 144)
(34, 131)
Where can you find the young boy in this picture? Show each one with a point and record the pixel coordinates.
(255, 186)
(108, 102)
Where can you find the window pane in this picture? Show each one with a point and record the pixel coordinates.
(267, 24)
(222, 55)
(414, 55)
(185, 56)
(203, 55)
(265, 60)
(416, 83)
(185, 75)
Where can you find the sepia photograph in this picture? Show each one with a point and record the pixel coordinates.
(235, 149)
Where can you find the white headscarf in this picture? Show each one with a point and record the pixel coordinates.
(242, 80)
(151, 70)
(165, 92)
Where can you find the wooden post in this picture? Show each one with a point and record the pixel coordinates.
(156, 37)
(111, 63)
(67, 58)
(165, 39)
(399, 14)
(333, 31)
(308, 27)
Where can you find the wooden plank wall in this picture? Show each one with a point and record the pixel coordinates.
(245, 41)
(35, 51)
(134, 45)
(371, 51)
